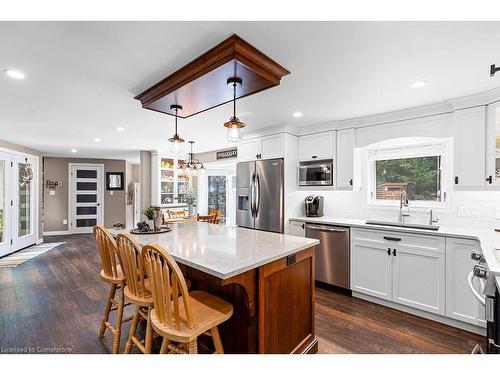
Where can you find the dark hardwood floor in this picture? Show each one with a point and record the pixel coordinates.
(54, 303)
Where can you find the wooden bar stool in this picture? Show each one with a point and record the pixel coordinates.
(136, 290)
(217, 213)
(176, 214)
(112, 274)
(179, 316)
(206, 218)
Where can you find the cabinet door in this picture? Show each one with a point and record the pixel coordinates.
(344, 159)
(297, 228)
(272, 147)
(470, 146)
(460, 303)
(249, 150)
(316, 146)
(371, 269)
(419, 279)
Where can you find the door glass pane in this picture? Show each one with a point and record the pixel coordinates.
(86, 198)
(2, 199)
(86, 186)
(24, 205)
(83, 173)
(217, 195)
(86, 210)
(497, 144)
(85, 222)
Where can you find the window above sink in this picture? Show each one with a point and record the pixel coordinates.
(422, 167)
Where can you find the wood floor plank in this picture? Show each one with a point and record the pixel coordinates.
(56, 300)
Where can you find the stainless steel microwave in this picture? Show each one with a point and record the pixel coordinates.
(316, 173)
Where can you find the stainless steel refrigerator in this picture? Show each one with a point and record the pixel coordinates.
(260, 198)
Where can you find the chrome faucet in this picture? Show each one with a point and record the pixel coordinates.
(403, 204)
(432, 221)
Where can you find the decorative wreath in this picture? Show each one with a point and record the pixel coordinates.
(25, 173)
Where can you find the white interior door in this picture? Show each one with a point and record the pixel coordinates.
(86, 197)
(24, 211)
(5, 204)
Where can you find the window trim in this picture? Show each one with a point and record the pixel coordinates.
(411, 147)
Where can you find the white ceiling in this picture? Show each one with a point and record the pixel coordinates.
(81, 77)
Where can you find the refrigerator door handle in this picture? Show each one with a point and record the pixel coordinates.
(257, 195)
(252, 195)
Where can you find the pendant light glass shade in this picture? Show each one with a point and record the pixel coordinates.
(234, 125)
(176, 141)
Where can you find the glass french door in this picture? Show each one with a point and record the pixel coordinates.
(86, 197)
(18, 211)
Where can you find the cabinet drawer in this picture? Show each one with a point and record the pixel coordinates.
(395, 239)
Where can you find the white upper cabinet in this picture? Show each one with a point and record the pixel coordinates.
(269, 147)
(344, 159)
(470, 142)
(317, 146)
(493, 144)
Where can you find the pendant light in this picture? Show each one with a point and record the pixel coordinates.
(193, 166)
(176, 140)
(234, 124)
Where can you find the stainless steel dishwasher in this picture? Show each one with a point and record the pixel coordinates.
(332, 253)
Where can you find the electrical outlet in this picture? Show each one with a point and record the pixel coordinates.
(111, 192)
(52, 192)
(65, 221)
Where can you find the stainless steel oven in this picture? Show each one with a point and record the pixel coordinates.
(316, 173)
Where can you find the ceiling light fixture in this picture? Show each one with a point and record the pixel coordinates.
(418, 84)
(120, 129)
(97, 139)
(193, 166)
(176, 140)
(74, 150)
(234, 124)
(297, 114)
(15, 74)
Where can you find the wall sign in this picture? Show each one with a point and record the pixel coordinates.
(227, 154)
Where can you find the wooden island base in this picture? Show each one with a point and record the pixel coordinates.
(273, 305)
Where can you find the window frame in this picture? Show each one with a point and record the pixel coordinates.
(404, 148)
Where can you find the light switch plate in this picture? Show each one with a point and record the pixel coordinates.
(65, 221)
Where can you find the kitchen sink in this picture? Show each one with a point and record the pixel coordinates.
(403, 225)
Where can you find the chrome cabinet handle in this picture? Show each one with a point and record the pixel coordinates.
(327, 229)
(392, 238)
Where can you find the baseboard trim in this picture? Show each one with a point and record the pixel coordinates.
(424, 314)
(57, 233)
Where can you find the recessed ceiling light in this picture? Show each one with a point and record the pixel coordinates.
(418, 84)
(120, 129)
(15, 74)
(97, 139)
(73, 150)
(297, 114)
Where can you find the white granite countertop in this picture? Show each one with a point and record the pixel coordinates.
(489, 239)
(224, 251)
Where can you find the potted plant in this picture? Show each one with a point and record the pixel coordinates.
(149, 212)
(191, 200)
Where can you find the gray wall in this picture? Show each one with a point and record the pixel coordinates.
(145, 178)
(56, 206)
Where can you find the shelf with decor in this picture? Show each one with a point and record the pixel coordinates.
(170, 184)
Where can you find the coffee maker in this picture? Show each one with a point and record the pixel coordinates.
(314, 205)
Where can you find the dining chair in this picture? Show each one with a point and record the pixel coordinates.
(137, 290)
(112, 274)
(217, 213)
(179, 316)
(176, 214)
(206, 218)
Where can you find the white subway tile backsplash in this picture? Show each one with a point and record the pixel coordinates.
(471, 208)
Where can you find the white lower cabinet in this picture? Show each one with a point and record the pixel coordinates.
(399, 268)
(460, 303)
(297, 228)
(419, 279)
(371, 269)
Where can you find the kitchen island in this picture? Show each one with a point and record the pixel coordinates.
(268, 277)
